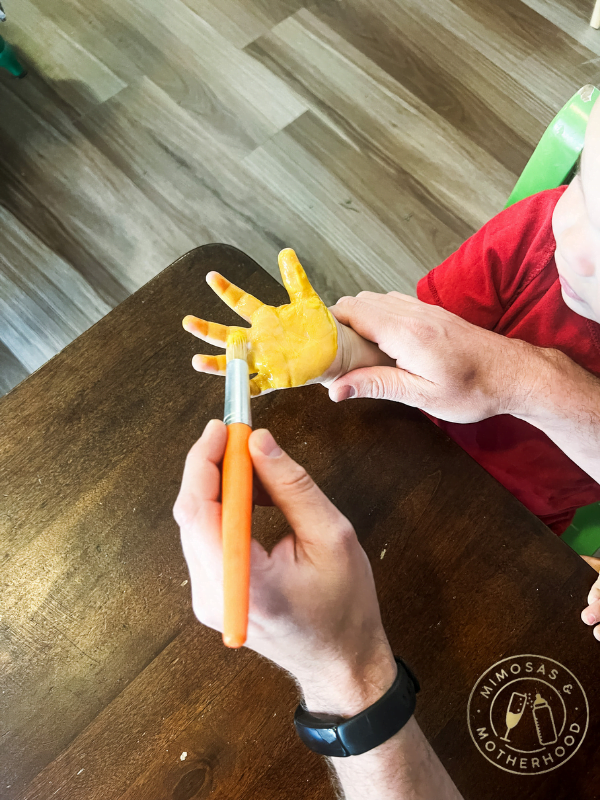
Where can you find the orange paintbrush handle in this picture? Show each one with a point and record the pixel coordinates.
(237, 533)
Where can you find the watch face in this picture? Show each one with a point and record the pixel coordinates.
(318, 735)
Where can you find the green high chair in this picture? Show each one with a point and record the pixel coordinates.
(552, 164)
(554, 160)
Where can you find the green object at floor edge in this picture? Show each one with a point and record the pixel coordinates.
(9, 61)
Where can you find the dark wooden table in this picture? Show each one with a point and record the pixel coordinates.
(107, 680)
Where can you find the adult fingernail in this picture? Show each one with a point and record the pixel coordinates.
(346, 393)
(590, 618)
(267, 445)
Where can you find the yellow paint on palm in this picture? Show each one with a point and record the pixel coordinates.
(288, 345)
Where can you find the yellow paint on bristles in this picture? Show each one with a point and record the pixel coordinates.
(237, 344)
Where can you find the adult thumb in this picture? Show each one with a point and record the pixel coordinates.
(379, 383)
(314, 518)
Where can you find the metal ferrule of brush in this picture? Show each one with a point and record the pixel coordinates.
(237, 393)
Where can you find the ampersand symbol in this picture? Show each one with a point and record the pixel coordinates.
(567, 688)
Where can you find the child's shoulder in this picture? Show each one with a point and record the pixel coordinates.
(483, 276)
(518, 243)
(512, 244)
(526, 221)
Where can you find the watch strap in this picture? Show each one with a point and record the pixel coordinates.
(340, 737)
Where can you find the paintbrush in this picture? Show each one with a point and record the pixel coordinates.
(236, 496)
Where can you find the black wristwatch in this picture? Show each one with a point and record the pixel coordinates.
(335, 736)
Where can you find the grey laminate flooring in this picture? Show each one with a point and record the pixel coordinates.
(373, 137)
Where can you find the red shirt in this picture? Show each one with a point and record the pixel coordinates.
(504, 278)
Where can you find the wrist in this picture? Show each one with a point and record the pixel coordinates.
(353, 352)
(541, 374)
(348, 689)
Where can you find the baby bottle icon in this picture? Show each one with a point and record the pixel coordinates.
(544, 721)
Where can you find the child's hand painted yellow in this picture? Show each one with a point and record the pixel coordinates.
(290, 345)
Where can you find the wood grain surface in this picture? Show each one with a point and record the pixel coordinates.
(106, 678)
(371, 137)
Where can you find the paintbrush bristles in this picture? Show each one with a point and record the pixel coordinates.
(237, 345)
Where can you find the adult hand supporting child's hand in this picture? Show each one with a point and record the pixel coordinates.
(462, 373)
(446, 366)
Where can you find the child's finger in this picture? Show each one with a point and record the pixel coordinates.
(591, 614)
(259, 385)
(241, 302)
(210, 332)
(294, 277)
(594, 592)
(212, 365)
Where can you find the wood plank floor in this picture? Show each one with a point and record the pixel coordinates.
(371, 137)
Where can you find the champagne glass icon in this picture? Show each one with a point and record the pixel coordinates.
(514, 712)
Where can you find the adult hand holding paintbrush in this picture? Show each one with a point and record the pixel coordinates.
(286, 346)
(312, 598)
(313, 609)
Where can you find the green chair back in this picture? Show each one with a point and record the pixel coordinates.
(583, 535)
(555, 158)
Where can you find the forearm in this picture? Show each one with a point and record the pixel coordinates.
(563, 400)
(403, 768)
